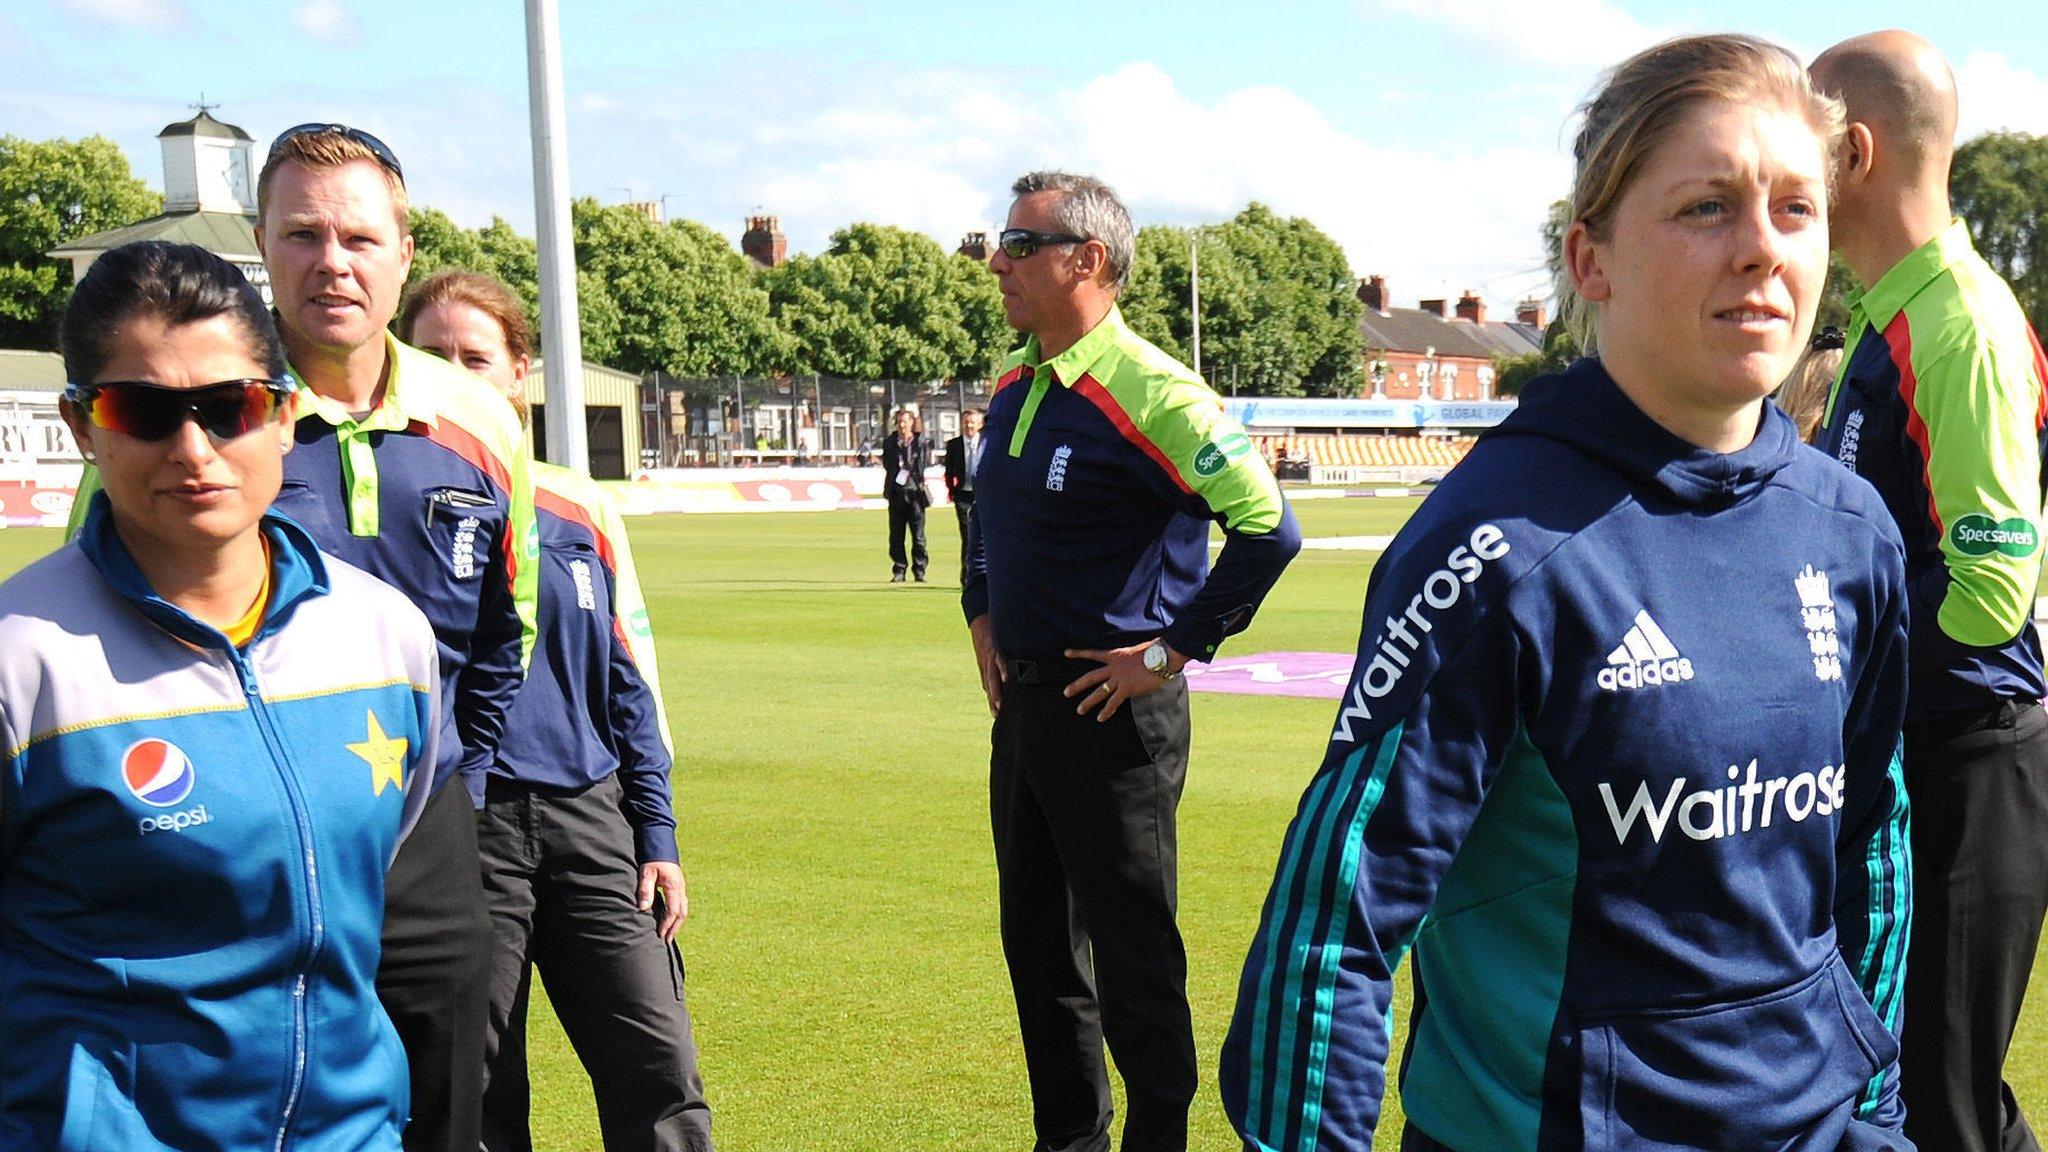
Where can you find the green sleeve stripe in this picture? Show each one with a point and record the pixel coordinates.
(1313, 835)
(1889, 868)
(1333, 946)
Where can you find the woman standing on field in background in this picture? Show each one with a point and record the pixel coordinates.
(215, 737)
(577, 832)
(1618, 761)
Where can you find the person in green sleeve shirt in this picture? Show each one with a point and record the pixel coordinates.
(1088, 588)
(1940, 404)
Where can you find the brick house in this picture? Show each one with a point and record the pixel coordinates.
(1437, 350)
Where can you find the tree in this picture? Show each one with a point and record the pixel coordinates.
(1280, 309)
(884, 303)
(672, 297)
(1560, 347)
(1999, 186)
(497, 249)
(53, 191)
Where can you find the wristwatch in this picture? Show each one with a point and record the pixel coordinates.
(1158, 661)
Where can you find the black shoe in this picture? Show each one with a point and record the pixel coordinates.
(920, 577)
(896, 578)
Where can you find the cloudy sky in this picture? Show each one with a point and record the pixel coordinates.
(1427, 136)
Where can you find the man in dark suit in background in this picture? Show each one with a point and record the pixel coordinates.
(905, 456)
(963, 452)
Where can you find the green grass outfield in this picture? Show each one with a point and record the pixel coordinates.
(844, 970)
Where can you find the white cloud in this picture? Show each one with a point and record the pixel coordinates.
(131, 13)
(936, 152)
(1575, 35)
(328, 21)
(1998, 95)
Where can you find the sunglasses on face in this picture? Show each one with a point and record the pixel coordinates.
(1019, 243)
(1829, 338)
(378, 148)
(227, 410)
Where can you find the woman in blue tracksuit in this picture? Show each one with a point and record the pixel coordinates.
(1618, 761)
(212, 737)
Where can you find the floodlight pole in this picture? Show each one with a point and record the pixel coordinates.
(1195, 293)
(561, 332)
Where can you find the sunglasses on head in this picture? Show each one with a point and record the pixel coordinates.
(1018, 243)
(227, 410)
(378, 148)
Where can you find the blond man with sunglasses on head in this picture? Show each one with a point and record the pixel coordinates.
(416, 471)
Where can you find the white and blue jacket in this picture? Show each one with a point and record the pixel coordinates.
(193, 842)
(1618, 767)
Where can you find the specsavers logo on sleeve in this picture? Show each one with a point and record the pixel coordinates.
(1979, 535)
(1216, 455)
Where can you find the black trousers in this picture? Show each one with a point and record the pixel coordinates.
(1978, 785)
(963, 507)
(1083, 815)
(907, 515)
(432, 978)
(561, 880)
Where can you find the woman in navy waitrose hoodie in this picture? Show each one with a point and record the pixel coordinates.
(1617, 764)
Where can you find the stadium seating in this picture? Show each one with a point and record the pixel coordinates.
(1370, 451)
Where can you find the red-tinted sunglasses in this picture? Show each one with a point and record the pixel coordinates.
(146, 411)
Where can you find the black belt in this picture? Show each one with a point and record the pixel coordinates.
(1940, 726)
(1060, 670)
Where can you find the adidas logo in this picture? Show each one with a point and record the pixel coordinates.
(1645, 659)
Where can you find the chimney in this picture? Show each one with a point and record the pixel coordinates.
(764, 242)
(1530, 312)
(1372, 291)
(1471, 307)
(975, 245)
(1439, 308)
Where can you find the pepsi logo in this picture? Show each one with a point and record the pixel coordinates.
(158, 772)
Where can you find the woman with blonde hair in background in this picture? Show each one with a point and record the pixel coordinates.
(1804, 395)
(577, 832)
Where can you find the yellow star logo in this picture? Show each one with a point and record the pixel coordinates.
(384, 754)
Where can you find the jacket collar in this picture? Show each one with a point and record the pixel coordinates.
(405, 401)
(1884, 300)
(1069, 366)
(298, 573)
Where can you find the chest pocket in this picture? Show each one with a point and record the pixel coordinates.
(304, 504)
(461, 526)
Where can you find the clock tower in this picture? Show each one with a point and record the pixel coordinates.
(207, 168)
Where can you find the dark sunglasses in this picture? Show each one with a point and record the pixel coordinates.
(227, 410)
(378, 148)
(1019, 243)
(1829, 338)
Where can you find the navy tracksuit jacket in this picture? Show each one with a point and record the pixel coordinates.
(1618, 765)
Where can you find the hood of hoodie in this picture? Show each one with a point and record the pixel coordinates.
(1583, 408)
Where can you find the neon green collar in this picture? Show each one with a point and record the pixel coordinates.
(1884, 300)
